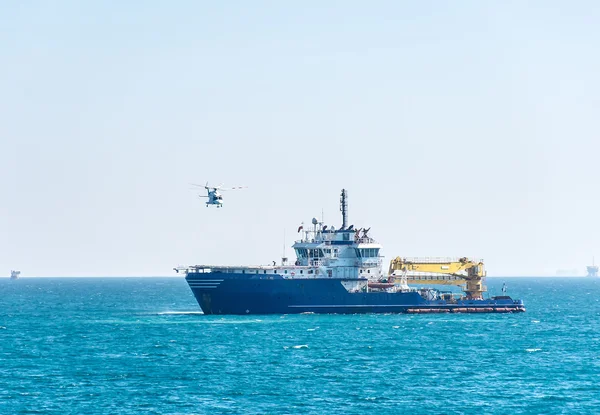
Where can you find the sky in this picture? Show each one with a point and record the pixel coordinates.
(464, 128)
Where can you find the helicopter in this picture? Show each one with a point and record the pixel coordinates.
(214, 196)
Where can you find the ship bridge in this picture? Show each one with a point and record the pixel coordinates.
(346, 252)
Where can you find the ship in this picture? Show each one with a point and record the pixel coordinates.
(341, 271)
(14, 275)
(592, 270)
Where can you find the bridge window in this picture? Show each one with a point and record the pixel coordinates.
(315, 253)
(302, 252)
(367, 252)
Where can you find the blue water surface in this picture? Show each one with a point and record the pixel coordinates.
(140, 346)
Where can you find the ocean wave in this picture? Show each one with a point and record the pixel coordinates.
(532, 350)
(183, 313)
(300, 346)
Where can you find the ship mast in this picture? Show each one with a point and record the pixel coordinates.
(344, 208)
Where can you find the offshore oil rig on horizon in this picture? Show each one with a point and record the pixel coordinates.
(592, 270)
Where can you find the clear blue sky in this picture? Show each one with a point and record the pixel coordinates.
(459, 128)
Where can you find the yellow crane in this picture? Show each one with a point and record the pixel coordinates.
(462, 271)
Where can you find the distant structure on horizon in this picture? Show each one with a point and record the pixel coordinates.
(14, 275)
(592, 270)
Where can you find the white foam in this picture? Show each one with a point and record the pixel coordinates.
(312, 329)
(535, 321)
(532, 350)
(300, 346)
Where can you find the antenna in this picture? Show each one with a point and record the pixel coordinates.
(344, 208)
(284, 258)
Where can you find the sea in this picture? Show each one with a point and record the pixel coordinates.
(142, 346)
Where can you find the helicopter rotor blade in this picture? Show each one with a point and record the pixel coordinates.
(206, 186)
(219, 187)
(235, 188)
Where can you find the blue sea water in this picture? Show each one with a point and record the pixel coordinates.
(140, 346)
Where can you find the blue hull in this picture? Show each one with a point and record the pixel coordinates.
(231, 293)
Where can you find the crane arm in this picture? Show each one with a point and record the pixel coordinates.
(438, 267)
(448, 272)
